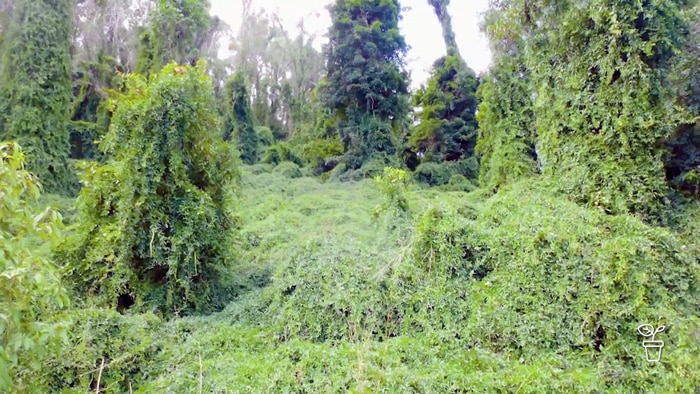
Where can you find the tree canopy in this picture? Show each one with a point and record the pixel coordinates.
(366, 83)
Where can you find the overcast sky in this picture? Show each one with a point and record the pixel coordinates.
(419, 26)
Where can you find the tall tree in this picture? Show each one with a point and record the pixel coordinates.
(108, 29)
(506, 125)
(506, 142)
(448, 126)
(440, 9)
(35, 88)
(366, 83)
(105, 39)
(239, 124)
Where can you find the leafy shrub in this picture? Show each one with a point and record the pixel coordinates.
(335, 174)
(288, 169)
(458, 183)
(592, 276)
(317, 153)
(279, 152)
(468, 167)
(265, 137)
(370, 169)
(392, 184)
(30, 289)
(327, 294)
(433, 174)
(106, 344)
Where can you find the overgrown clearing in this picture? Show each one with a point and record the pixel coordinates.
(296, 220)
(511, 293)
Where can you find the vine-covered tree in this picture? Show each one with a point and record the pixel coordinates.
(366, 84)
(682, 162)
(448, 35)
(35, 89)
(154, 222)
(448, 126)
(506, 142)
(506, 123)
(238, 124)
(604, 107)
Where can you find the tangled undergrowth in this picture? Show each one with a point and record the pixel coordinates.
(523, 291)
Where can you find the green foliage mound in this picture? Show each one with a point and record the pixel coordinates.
(106, 345)
(289, 169)
(441, 174)
(528, 275)
(155, 222)
(594, 277)
(279, 152)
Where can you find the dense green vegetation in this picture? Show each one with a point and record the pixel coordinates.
(35, 92)
(274, 223)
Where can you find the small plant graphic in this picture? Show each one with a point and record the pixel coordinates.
(653, 347)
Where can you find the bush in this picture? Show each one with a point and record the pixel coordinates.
(323, 154)
(458, 183)
(265, 137)
(468, 167)
(370, 169)
(350, 306)
(335, 175)
(126, 344)
(393, 184)
(593, 276)
(30, 288)
(433, 174)
(279, 152)
(288, 169)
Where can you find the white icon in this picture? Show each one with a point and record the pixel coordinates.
(653, 347)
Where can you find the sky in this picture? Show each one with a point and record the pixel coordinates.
(420, 28)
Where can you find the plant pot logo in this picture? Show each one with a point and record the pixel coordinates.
(652, 347)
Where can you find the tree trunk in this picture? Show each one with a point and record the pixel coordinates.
(440, 9)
